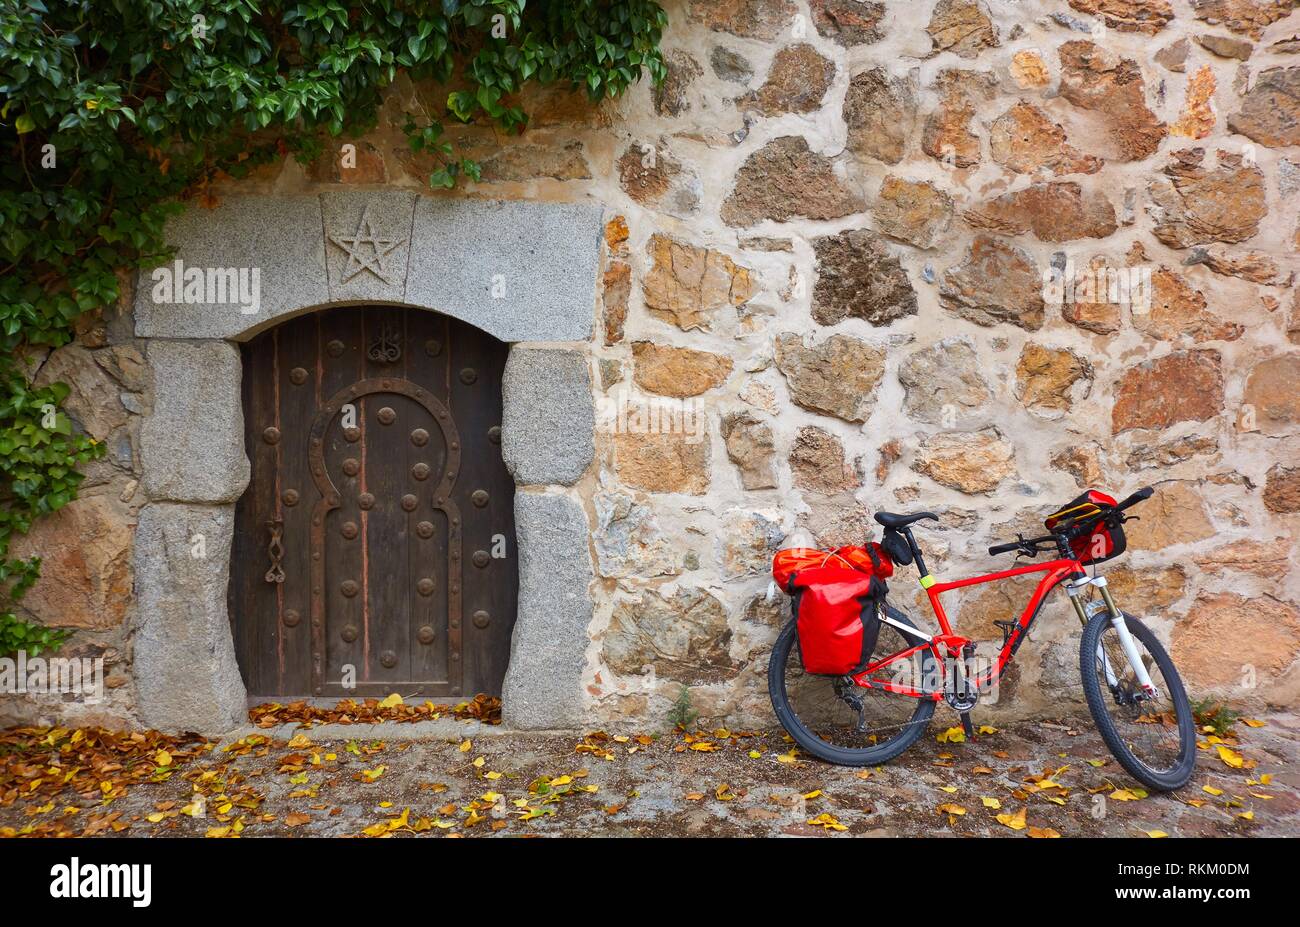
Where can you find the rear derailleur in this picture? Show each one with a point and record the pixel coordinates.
(849, 693)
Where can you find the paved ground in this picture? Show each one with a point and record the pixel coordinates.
(452, 778)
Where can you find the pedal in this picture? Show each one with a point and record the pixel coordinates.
(967, 726)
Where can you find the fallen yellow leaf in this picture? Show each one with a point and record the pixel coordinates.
(1155, 833)
(392, 701)
(1014, 821)
(1229, 757)
(954, 735)
(827, 821)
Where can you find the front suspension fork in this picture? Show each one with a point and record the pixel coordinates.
(1075, 589)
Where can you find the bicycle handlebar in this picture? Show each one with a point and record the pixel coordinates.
(1030, 545)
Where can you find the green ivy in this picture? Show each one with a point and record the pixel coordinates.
(114, 112)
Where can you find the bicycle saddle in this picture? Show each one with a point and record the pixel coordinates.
(890, 520)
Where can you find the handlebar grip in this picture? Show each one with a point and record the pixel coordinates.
(1146, 492)
(1002, 549)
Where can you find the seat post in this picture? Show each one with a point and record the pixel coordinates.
(917, 556)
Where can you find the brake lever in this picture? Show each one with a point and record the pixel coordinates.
(1024, 549)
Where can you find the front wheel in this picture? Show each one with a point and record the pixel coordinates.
(1152, 736)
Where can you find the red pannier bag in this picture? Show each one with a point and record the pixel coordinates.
(835, 604)
(1105, 541)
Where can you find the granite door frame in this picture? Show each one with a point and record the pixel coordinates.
(523, 272)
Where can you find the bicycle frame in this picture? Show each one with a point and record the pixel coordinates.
(948, 644)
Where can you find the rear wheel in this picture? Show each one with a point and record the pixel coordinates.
(841, 723)
(1154, 738)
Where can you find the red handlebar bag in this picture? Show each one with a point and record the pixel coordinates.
(1106, 539)
(835, 616)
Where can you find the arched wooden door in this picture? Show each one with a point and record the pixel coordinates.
(374, 547)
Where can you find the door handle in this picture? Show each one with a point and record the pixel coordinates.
(276, 551)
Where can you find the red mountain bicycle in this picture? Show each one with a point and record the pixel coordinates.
(873, 713)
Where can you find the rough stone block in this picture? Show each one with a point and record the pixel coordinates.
(367, 243)
(520, 271)
(548, 418)
(280, 236)
(543, 687)
(192, 446)
(186, 677)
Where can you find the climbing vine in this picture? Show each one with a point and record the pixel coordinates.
(114, 113)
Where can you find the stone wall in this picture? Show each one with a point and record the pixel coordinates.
(87, 582)
(828, 235)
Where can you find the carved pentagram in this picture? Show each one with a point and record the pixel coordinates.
(366, 250)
